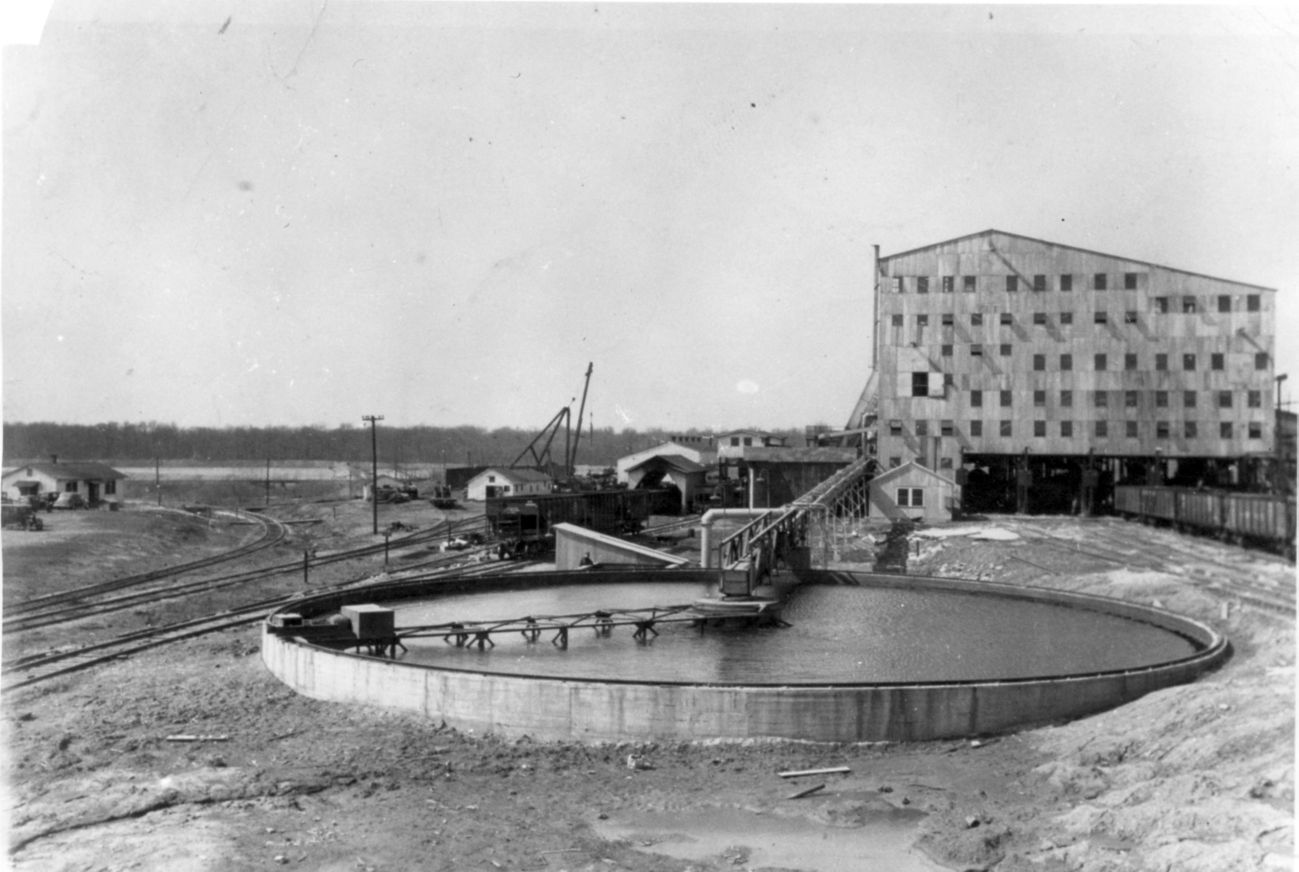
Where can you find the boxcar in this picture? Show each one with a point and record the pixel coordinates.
(1263, 520)
(523, 525)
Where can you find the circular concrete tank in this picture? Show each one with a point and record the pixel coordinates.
(467, 695)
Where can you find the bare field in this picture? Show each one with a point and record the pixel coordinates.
(1199, 777)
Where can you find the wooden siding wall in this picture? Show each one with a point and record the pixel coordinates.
(913, 328)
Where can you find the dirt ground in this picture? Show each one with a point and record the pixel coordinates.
(1199, 777)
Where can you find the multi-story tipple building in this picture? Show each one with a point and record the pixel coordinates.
(996, 353)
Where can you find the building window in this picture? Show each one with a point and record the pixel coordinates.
(1188, 399)
(1189, 305)
(491, 479)
(1188, 362)
(1189, 430)
(1012, 284)
(1102, 429)
(920, 384)
(968, 283)
(1161, 399)
(735, 440)
(1066, 362)
(976, 428)
(1039, 282)
(1224, 399)
(1161, 361)
(922, 284)
(748, 440)
(949, 284)
(895, 462)
(1039, 318)
(1260, 360)
(944, 463)
(1254, 399)
(1039, 398)
(1224, 303)
(1066, 399)
(947, 428)
(1005, 349)
(1007, 319)
(911, 496)
(1098, 281)
(1039, 429)
(1100, 399)
(1039, 362)
(1224, 430)
(1066, 317)
(1161, 305)
(949, 320)
(1006, 399)
(976, 398)
(1217, 361)
(899, 287)
(1253, 302)
(1100, 362)
(922, 428)
(922, 320)
(1129, 281)
(1101, 317)
(1255, 430)
(1129, 361)
(897, 320)
(946, 351)
(1066, 282)
(1131, 399)
(976, 350)
(1131, 429)
(1130, 317)
(1066, 429)
(895, 427)
(1161, 429)
(110, 487)
(1007, 429)
(976, 319)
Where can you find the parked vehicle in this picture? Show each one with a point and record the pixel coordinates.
(69, 500)
(1262, 520)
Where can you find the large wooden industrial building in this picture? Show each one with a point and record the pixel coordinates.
(998, 354)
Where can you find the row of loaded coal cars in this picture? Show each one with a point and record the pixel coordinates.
(523, 526)
(1260, 520)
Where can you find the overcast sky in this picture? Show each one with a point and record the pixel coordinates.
(237, 213)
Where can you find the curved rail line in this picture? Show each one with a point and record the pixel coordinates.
(38, 668)
(273, 533)
(1139, 550)
(74, 604)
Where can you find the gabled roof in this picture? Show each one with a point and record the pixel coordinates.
(991, 231)
(672, 461)
(80, 470)
(516, 475)
(908, 468)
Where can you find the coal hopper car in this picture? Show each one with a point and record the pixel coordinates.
(524, 525)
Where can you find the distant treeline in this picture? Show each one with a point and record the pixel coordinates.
(470, 446)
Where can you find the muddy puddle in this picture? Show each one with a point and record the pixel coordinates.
(827, 835)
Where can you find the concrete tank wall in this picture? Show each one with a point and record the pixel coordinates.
(547, 708)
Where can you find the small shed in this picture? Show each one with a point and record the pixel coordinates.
(914, 491)
(501, 481)
(670, 470)
(95, 482)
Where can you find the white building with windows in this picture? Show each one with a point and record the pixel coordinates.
(499, 481)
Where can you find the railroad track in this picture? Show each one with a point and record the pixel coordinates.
(104, 598)
(1245, 580)
(39, 668)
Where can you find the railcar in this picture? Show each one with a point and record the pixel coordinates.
(524, 525)
(1261, 520)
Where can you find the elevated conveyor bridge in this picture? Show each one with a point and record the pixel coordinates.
(808, 530)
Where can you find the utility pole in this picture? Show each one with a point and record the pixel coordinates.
(374, 467)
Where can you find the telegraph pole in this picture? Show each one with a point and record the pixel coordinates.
(374, 467)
